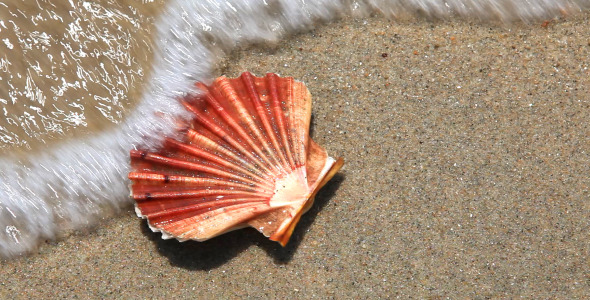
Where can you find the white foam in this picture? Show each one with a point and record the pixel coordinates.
(74, 184)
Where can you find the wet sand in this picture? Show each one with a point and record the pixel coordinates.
(466, 175)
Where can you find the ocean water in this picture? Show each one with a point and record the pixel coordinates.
(83, 83)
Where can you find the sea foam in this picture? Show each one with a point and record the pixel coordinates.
(74, 184)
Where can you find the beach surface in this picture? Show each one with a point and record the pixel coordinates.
(466, 175)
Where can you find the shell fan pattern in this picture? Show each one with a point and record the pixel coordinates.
(246, 160)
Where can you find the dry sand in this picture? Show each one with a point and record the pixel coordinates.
(467, 161)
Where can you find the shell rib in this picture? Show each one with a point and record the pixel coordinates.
(247, 160)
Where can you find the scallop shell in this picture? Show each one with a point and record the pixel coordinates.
(247, 160)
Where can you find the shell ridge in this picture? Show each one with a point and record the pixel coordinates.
(144, 193)
(219, 221)
(289, 105)
(206, 178)
(303, 96)
(280, 116)
(200, 213)
(207, 143)
(298, 125)
(212, 97)
(204, 206)
(178, 163)
(187, 194)
(191, 150)
(273, 148)
(224, 135)
(229, 92)
(185, 180)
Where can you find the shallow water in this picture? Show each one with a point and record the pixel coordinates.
(82, 83)
(69, 69)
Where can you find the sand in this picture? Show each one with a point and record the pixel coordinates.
(466, 176)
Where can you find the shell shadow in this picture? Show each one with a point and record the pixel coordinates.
(213, 253)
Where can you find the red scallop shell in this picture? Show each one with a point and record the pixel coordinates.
(247, 160)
